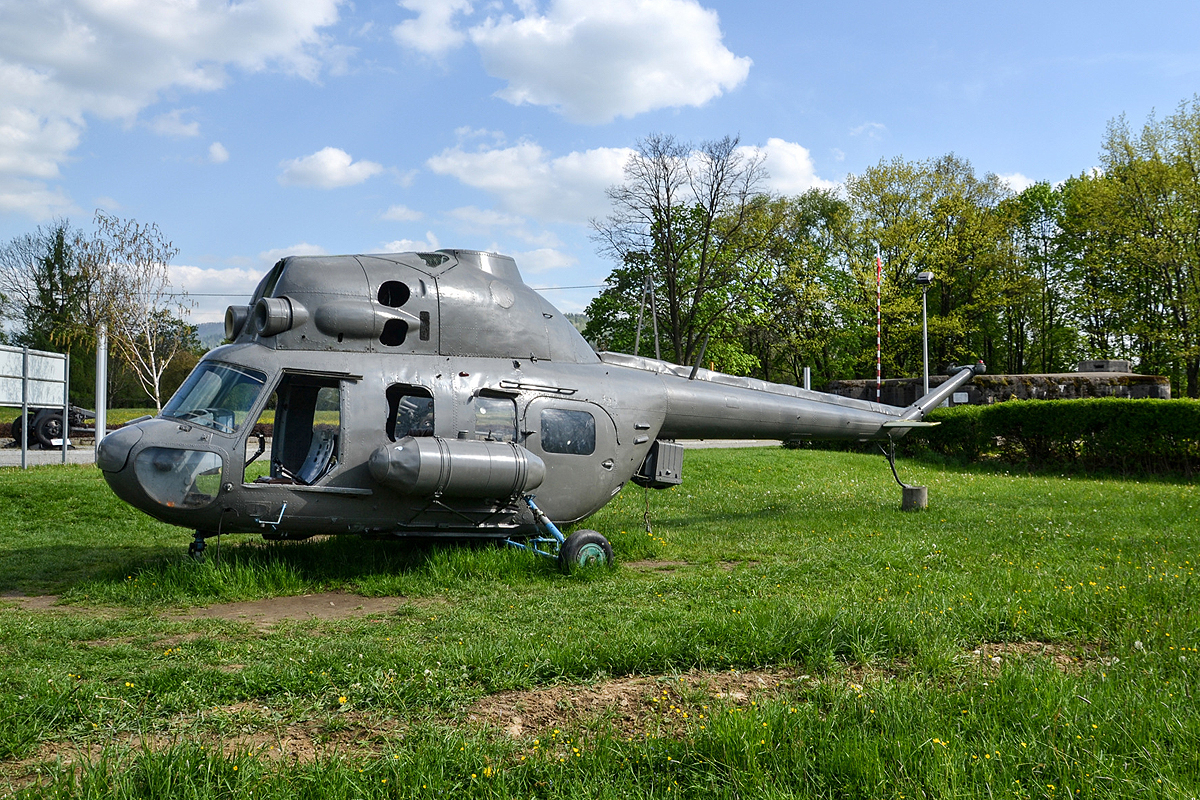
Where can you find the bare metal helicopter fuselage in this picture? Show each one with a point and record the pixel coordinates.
(431, 394)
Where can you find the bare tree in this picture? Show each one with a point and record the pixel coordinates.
(127, 266)
(696, 220)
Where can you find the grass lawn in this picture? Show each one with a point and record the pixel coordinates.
(783, 631)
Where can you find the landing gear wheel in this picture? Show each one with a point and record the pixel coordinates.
(196, 550)
(584, 549)
(49, 428)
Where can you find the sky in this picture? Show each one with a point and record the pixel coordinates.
(256, 129)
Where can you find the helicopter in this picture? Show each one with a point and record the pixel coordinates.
(434, 395)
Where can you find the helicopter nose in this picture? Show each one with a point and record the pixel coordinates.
(114, 448)
(158, 476)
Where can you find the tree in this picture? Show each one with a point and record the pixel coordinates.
(41, 276)
(807, 319)
(695, 220)
(1150, 229)
(937, 216)
(127, 263)
(1042, 323)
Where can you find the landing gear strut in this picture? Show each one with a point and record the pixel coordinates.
(583, 548)
(195, 550)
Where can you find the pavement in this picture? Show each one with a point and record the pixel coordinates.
(84, 453)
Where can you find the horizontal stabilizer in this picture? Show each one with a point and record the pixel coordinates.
(905, 424)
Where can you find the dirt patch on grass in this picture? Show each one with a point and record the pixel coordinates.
(650, 565)
(328, 606)
(729, 565)
(1069, 658)
(632, 706)
(295, 743)
(43, 602)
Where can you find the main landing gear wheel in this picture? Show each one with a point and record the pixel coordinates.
(584, 549)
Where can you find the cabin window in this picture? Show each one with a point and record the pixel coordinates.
(570, 432)
(304, 421)
(410, 412)
(495, 418)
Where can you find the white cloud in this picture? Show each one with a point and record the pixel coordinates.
(33, 199)
(1016, 182)
(432, 31)
(594, 61)
(269, 257)
(789, 165)
(217, 153)
(401, 214)
(486, 220)
(872, 130)
(544, 259)
(172, 124)
(212, 290)
(62, 61)
(329, 168)
(527, 180)
(409, 245)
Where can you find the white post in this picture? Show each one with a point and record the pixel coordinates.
(101, 384)
(25, 408)
(807, 378)
(66, 424)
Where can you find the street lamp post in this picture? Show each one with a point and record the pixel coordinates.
(923, 280)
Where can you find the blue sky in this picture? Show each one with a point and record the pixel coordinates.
(254, 129)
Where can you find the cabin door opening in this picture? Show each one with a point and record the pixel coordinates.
(305, 432)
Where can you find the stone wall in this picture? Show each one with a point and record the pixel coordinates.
(988, 389)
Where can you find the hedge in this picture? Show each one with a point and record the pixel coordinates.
(1101, 434)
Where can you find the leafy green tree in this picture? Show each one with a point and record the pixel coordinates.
(936, 216)
(41, 275)
(1037, 315)
(46, 291)
(1145, 215)
(807, 319)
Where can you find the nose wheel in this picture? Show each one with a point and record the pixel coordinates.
(195, 550)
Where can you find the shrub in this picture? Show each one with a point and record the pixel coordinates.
(1107, 434)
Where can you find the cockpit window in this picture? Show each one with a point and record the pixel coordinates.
(217, 396)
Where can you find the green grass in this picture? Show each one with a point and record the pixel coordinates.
(798, 561)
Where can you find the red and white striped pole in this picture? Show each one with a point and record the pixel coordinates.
(878, 325)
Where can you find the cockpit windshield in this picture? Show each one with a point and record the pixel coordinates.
(216, 396)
